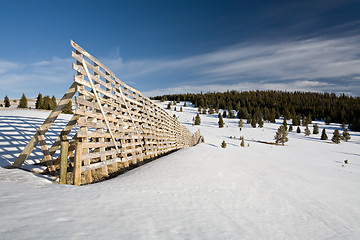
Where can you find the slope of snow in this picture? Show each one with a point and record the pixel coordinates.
(302, 190)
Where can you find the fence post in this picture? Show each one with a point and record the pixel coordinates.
(77, 163)
(63, 158)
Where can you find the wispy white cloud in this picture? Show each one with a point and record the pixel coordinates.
(34, 77)
(298, 61)
(308, 65)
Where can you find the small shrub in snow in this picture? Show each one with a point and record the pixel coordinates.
(223, 144)
(298, 130)
(242, 144)
(323, 135)
(291, 128)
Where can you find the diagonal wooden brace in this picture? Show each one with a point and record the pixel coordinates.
(46, 125)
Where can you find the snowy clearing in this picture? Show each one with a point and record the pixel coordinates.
(302, 190)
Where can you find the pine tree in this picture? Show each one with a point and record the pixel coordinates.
(285, 123)
(221, 121)
(346, 135)
(39, 101)
(336, 137)
(328, 120)
(68, 108)
(23, 102)
(181, 109)
(281, 135)
(224, 114)
(53, 102)
(316, 129)
(175, 109)
(309, 119)
(253, 122)
(197, 119)
(184, 104)
(241, 123)
(47, 103)
(324, 135)
(223, 144)
(169, 106)
(204, 111)
(261, 123)
(291, 128)
(211, 110)
(231, 114)
(307, 131)
(298, 130)
(6, 101)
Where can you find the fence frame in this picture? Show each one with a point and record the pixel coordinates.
(116, 125)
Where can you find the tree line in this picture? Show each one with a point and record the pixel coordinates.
(257, 106)
(46, 103)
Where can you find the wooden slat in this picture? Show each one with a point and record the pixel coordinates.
(45, 126)
(44, 148)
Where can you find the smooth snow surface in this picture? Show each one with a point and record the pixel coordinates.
(302, 190)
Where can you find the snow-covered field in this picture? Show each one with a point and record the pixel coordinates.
(302, 190)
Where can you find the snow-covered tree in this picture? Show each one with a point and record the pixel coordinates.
(307, 131)
(223, 144)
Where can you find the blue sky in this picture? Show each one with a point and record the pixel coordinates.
(162, 47)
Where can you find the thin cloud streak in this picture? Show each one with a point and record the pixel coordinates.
(308, 65)
(307, 60)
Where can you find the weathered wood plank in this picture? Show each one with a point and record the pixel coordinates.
(63, 159)
(77, 164)
(45, 126)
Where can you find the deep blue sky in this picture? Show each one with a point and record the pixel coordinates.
(161, 47)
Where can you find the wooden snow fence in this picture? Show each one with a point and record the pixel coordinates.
(117, 126)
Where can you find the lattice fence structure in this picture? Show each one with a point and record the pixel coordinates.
(116, 126)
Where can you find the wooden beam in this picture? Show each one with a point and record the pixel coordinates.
(77, 164)
(67, 129)
(44, 148)
(63, 159)
(45, 126)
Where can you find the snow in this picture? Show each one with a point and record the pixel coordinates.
(302, 190)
